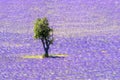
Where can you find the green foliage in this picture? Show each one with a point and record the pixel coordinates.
(42, 30)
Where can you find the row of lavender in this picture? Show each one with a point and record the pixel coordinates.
(90, 58)
(23, 43)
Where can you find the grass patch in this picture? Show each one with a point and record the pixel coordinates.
(33, 56)
(41, 56)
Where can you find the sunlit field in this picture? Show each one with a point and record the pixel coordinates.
(86, 46)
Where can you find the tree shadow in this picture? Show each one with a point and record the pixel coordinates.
(56, 57)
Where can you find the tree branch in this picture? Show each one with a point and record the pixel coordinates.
(47, 43)
(42, 40)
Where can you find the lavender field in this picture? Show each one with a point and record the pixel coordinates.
(87, 31)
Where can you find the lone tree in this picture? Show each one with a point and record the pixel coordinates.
(43, 32)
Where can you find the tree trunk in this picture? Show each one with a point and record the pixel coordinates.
(46, 48)
(46, 53)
